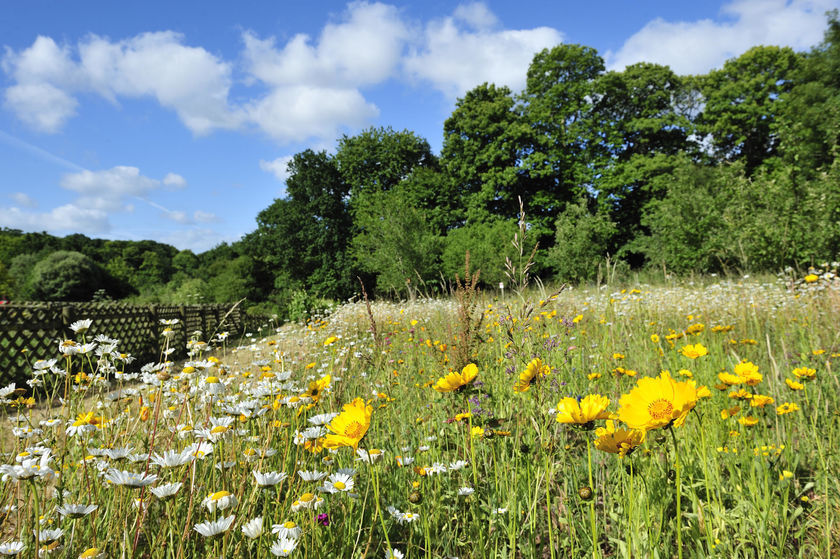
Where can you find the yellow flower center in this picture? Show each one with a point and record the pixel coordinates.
(660, 409)
(219, 495)
(354, 430)
(218, 429)
(289, 525)
(339, 485)
(211, 380)
(307, 497)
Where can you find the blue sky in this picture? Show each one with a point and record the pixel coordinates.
(173, 121)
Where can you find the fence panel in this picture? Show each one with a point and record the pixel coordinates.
(30, 331)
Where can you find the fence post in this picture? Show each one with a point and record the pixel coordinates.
(66, 320)
(182, 314)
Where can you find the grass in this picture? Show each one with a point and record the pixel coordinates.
(479, 472)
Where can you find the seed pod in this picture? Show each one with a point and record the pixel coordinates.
(586, 493)
(415, 497)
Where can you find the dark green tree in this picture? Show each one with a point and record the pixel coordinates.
(66, 276)
(565, 147)
(481, 150)
(743, 103)
(303, 239)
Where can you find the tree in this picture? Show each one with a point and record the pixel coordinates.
(564, 144)
(396, 241)
(742, 104)
(640, 113)
(481, 149)
(66, 276)
(377, 159)
(581, 242)
(488, 243)
(303, 238)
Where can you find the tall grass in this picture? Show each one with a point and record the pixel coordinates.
(479, 472)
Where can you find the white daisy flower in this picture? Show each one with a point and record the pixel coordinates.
(269, 479)
(129, 479)
(311, 475)
(76, 511)
(283, 547)
(253, 528)
(338, 483)
(214, 527)
(220, 500)
(81, 326)
(288, 530)
(11, 548)
(465, 491)
(166, 491)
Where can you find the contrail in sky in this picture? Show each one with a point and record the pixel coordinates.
(39, 152)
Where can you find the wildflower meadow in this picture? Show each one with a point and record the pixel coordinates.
(671, 420)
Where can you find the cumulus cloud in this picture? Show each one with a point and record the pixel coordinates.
(313, 85)
(460, 52)
(174, 180)
(278, 167)
(107, 190)
(699, 46)
(63, 219)
(189, 80)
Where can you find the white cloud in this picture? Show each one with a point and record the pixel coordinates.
(69, 218)
(174, 180)
(476, 14)
(23, 200)
(461, 52)
(107, 190)
(278, 167)
(697, 47)
(189, 80)
(314, 85)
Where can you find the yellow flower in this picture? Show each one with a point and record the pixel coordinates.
(760, 400)
(618, 441)
(618, 356)
(350, 426)
(787, 407)
(729, 379)
(654, 338)
(811, 278)
(805, 372)
(748, 421)
(694, 351)
(534, 369)
(749, 372)
(730, 412)
(793, 385)
(317, 387)
(659, 402)
(331, 340)
(590, 408)
(455, 381)
(476, 432)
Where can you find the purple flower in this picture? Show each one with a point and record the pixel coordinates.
(324, 519)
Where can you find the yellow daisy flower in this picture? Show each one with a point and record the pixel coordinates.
(350, 426)
(659, 402)
(455, 381)
(534, 369)
(590, 408)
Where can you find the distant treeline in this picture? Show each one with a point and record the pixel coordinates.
(736, 169)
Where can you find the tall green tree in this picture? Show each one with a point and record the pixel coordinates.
(481, 148)
(743, 103)
(564, 147)
(303, 238)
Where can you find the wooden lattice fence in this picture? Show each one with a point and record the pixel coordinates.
(32, 330)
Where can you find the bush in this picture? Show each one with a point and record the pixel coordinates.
(581, 241)
(67, 276)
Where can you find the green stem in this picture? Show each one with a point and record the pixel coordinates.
(677, 485)
(592, 519)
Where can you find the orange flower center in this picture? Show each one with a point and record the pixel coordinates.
(660, 409)
(355, 430)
